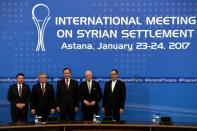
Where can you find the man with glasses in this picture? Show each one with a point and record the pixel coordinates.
(114, 96)
(90, 95)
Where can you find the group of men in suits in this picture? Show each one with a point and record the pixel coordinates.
(68, 95)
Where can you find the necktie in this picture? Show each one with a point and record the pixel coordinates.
(67, 86)
(89, 87)
(43, 89)
(20, 91)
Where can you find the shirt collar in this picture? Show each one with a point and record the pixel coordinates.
(43, 84)
(114, 81)
(18, 85)
(68, 80)
(89, 81)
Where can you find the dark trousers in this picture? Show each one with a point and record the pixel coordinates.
(114, 113)
(88, 112)
(68, 114)
(19, 115)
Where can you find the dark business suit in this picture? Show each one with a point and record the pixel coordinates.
(94, 95)
(113, 101)
(67, 99)
(43, 102)
(14, 98)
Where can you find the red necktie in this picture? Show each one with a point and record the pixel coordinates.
(43, 89)
(67, 87)
(20, 91)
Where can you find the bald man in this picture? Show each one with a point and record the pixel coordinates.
(90, 95)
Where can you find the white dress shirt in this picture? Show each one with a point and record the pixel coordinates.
(68, 80)
(19, 85)
(43, 85)
(113, 83)
(89, 84)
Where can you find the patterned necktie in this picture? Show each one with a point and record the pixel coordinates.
(43, 89)
(67, 86)
(20, 91)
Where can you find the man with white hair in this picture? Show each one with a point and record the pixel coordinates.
(90, 95)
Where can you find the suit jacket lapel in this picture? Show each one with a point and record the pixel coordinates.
(86, 88)
(46, 88)
(22, 90)
(39, 89)
(70, 85)
(92, 87)
(64, 84)
(110, 86)
(16, 90)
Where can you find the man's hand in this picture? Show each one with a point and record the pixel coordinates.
(76, 109)
(20, 105)
(52, 111)
(33, 111)
(58, 109)
(121, 110)
(92, 103)
(103, 110)
(86, 102)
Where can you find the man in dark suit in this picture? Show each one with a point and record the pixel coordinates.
(114, 96)
(90, 95)
(43, 98)
(67, 97)
(19, 96)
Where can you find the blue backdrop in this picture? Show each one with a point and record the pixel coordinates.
(158, 80)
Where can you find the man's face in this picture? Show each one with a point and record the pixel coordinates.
(20, 79)
(67, 74)
(114, 75)
(42, 79)
(88, 76)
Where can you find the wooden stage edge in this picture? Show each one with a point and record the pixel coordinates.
(90, 126)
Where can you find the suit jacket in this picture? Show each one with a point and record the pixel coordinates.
(67, 99)
(43, 103)
(14, 98)
(94, 95)
(116, 99)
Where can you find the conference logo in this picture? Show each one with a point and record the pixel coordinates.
(40, 23)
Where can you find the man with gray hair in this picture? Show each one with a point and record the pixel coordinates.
(90, 95)
(43, 98)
